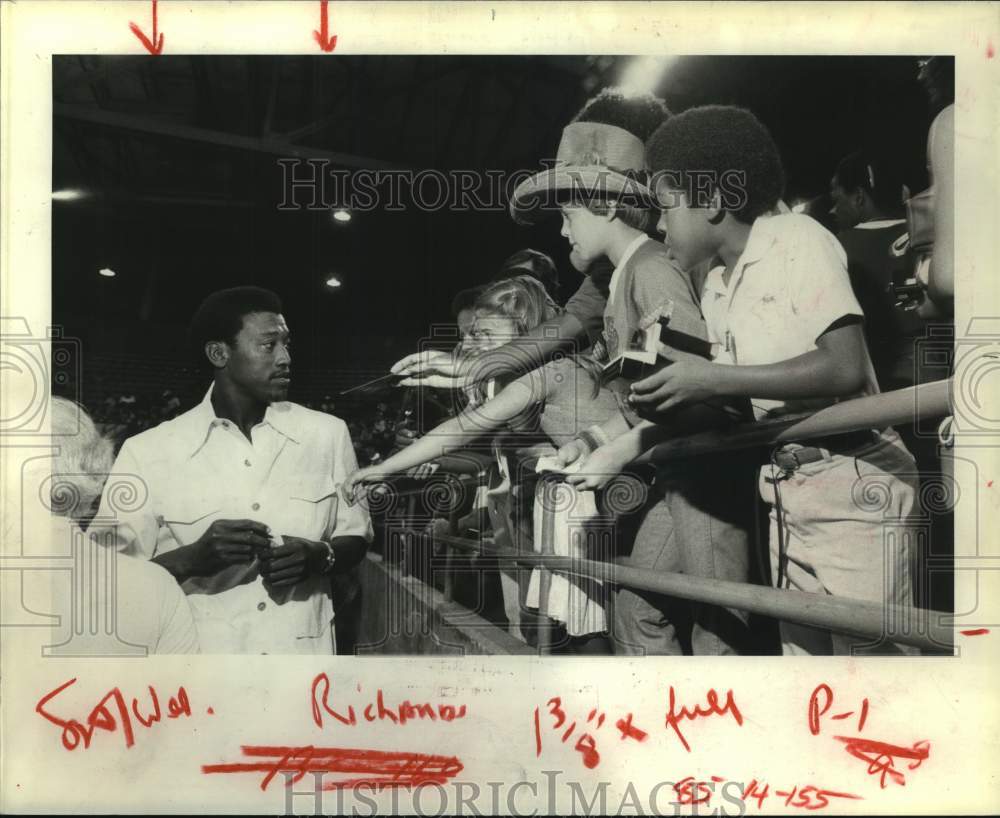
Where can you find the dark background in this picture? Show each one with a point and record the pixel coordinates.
(178, 158)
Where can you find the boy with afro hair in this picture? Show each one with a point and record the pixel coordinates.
(780, 305)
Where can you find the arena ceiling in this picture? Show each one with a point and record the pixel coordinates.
(176, 160)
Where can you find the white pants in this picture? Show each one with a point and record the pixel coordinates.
(846, 534)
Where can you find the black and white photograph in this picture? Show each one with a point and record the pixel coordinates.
(445, 408)
(374, 336)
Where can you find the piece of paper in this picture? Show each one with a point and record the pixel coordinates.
(550, 463)
(444, 712)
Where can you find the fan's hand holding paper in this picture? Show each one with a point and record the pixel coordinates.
(551, 464)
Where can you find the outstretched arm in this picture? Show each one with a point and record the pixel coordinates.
(450, 435)
(443, 370)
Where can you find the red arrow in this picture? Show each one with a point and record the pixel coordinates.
(154, 46)
(326, 42)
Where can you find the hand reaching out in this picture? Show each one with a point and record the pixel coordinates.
(355, 481)
(430, 368)
(599, 468)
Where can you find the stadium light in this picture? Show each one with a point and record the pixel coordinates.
(68, 195)
(643, 75)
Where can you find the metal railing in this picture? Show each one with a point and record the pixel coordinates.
(925, 629)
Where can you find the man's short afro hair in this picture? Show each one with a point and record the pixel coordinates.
(640, 114)
(220, 316)
(726, 144)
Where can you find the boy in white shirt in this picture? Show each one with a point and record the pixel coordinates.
(780, 304)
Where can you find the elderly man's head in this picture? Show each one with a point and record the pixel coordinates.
(82, 461)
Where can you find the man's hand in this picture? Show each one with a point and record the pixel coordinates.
(289, 564)
(431, 367)
(225, 543)
(600, 467)
(687, 379)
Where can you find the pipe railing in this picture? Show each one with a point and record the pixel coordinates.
(916, 627)
(901, 406)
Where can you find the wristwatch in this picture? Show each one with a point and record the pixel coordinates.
(331, 558)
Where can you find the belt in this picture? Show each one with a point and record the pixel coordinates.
(821, 446)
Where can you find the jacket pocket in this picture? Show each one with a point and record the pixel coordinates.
(186, 519)
(312, 507)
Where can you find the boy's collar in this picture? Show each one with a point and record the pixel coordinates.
(630, 249)
(759, 241)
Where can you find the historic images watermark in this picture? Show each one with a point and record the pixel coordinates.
(686, 796)
(314, 184)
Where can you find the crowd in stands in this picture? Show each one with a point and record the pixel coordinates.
(124, 414)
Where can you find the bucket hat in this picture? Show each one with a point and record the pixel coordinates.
(594, 162)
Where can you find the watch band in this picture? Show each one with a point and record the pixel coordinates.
(331, 558)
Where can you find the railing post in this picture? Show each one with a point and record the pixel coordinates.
(406, 553)
(449, 579)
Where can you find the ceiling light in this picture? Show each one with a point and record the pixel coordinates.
(643, 75)
(67, 195)
(107, 272)
(342, 215)
(333, 281)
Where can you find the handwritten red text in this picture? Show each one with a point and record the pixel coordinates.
(111, 714)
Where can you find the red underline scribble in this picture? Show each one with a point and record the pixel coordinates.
(881, 757)
(975, 632)
(357, 768)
